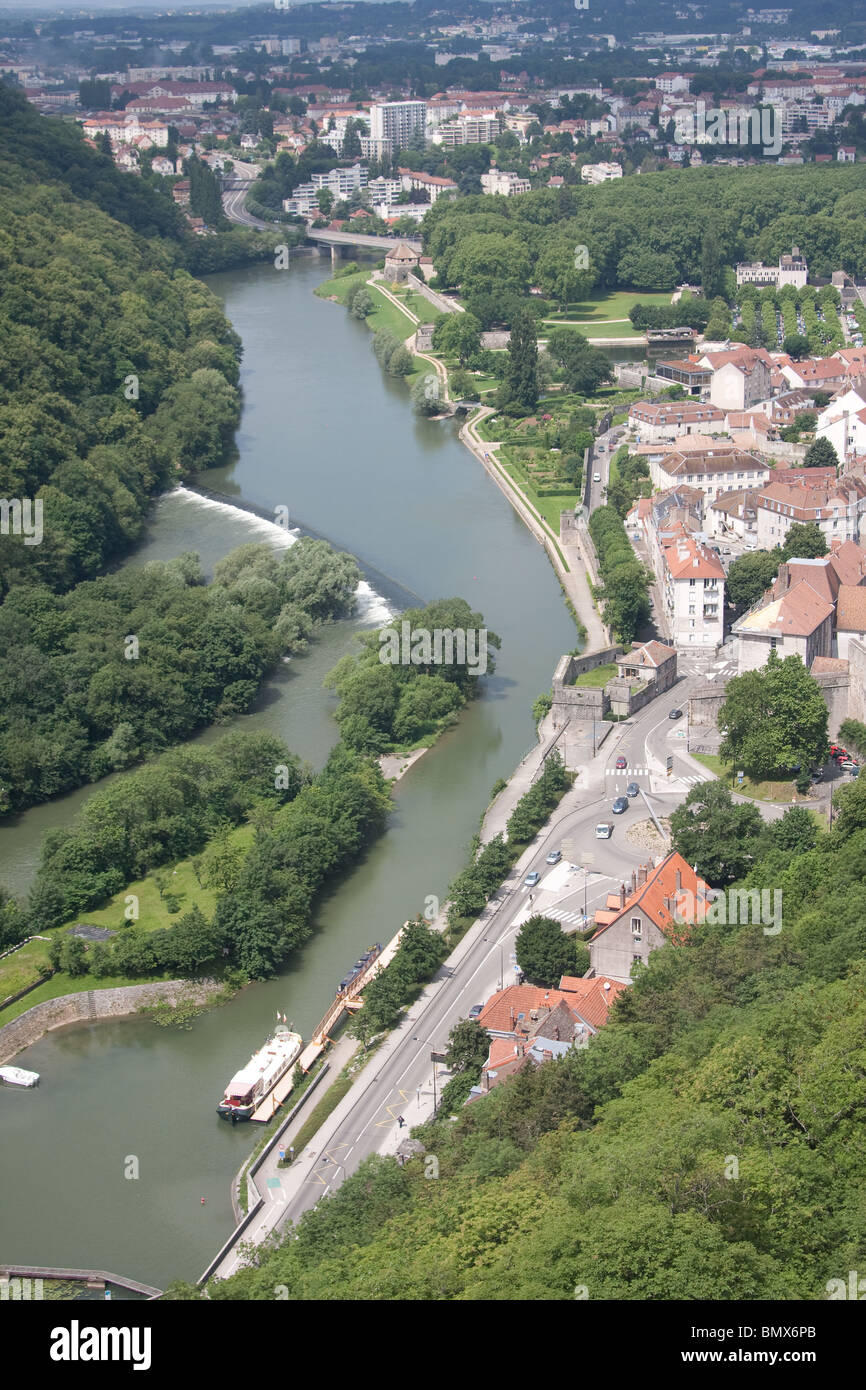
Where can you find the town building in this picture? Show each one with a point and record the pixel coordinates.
(791, 270)
(715, 470)
(692, 580)
(394, 123)
(506, 184)
(600, 173)
(660, 906)
(400, 263)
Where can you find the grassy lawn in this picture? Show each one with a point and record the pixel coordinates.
(613, 305)
(760, 791)
(591, 329)
(600, 676)
(67, 984)
(25, 966)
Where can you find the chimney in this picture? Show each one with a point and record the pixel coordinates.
(633, 880)
(622, 895)
(641, 875)
(547, 1055)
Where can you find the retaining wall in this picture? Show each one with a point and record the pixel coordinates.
(96, 1004)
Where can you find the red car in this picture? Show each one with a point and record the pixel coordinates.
(621, 764)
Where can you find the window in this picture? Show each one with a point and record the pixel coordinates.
(637, 956)
(635, 924)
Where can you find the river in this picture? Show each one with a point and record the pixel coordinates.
(327, 434)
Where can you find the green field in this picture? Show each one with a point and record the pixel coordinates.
(761, 791)
(599, 677)
(385, 314)
(24, 966)
(613, 305)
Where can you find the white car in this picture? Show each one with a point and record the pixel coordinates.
(603, 831)
(596, 477)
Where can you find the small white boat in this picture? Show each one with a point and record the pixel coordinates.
(17, 1076)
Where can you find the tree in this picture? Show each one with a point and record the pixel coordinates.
(361, 304)
(795, 832)
(458, 335)
(467, 1046)
(715, 834)
(544, 952)
(325, 201)
(712, 271)
(520, 387)
(401, 362)
(585, 367)
(804, 541)
(750, 576)
(774, 718)
(821, 454)
(796, 345)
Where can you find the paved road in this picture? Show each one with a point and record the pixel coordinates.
(235, 210)
(399, 1079)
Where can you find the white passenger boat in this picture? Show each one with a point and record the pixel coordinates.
(17, 1076)
(249, 1087)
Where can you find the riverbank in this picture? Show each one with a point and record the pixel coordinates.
(94, 1004)
(568, 561)
(399, 490)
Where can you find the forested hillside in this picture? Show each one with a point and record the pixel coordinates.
(118, 370)
(93, 680)
(708, 1144)
(493, 246)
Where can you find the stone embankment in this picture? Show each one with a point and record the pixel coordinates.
(94, 1004)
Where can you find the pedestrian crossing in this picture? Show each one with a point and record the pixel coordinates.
(693, 780)
(560, 915)
(629, 773)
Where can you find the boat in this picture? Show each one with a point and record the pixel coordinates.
(249, 1087)
(360, 968)
(17, 1076)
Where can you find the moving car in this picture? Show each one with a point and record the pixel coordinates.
(675, 714)
(603, 830)
(596, 477)
(632, 789)
(475, 1010)
(531, 879)
(554, 856)
(620, 805)
(621, 763)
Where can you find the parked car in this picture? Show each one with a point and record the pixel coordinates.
(476, 1010)
(620, 805)
(726, 550)
(849, 765)
(554, 856)
(621, 763)
(675, 714)
(531, 879)
(603, 830)
(632, 789)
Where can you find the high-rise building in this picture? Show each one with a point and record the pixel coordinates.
(397, 121)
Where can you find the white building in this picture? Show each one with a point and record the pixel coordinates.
(843, 423)
(693, 588)
(600, 173)
(836, 507)
(508, 184)
(397, 121)
(711, 471)
(791, 270)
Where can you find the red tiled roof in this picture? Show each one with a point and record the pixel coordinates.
(851, 608)
(660, 897)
